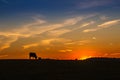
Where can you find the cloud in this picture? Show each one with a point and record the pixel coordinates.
(109, 23)
(36, 27)
(91, 30)
(46, 42)
(6, 41)
(87, 24)
(54, 40)
(3, 56)
(65, 50)
(69, 22)
(59, 32)
(104, 25)
(81, 42)
(72, 21)
(40, 26)
(30, 45)
(115, 55)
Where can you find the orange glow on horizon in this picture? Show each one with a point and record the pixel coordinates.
(85, 57)
(85, 54)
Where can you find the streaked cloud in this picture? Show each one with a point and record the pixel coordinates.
(6, 41)
(38, 26)
(65, 50)
(46, 42)
(109, 23)
(59, 32)
(86, 24)
(104, 25)
(81, 42)
(91, 30)
(30, 45)
(72, 21)
(1, 56)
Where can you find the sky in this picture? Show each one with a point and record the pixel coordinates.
(59, 29)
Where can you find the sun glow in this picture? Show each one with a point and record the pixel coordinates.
(85, 54)
(85, 57)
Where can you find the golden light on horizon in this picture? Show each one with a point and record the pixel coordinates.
(85, 54)
(85, 57)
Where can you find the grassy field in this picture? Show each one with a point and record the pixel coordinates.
(90, 69)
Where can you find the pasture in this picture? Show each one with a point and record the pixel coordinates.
(91, 69)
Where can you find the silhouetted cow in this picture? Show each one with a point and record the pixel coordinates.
(32, 54)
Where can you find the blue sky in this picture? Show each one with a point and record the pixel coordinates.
(21, 11)
(60, 27)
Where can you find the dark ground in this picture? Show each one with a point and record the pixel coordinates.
(91, 69)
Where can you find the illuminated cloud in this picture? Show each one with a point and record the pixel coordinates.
(109, 23)
(30, 45)
(59, 32)
(86, 24)
(104, 25)
(6, 41)
(72, 21)
(91, 30)
(46, 42)
(3, 56)
(94, 38)
(81, 42)
(40, 26)
(35, 28)
(115, 55)
(55, 29)
(66, 50)
(50, 41)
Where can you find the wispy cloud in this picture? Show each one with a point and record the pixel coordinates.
(81, 42)
(46, 42)
(59, 32)
(3, 56)
(109, 23)
(6, 41)
(38, 27)
(65, 50)
(104, 25)
(30, 45)
(86, 24)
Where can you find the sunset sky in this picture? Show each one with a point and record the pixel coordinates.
(59, 29)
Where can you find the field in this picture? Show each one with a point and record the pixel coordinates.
(90, 69)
